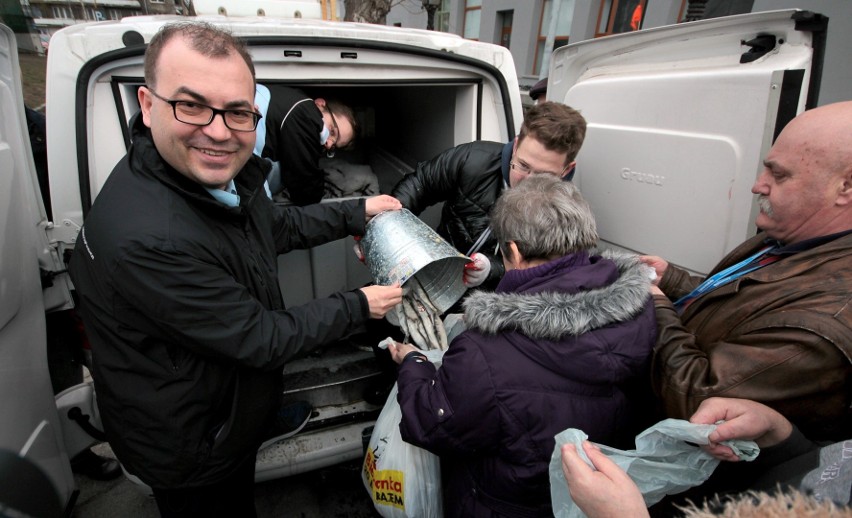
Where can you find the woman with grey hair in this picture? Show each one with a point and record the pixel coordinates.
(563, 342)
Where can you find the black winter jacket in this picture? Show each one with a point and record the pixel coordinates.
(179, 295)
(293, 124)
(468, 179)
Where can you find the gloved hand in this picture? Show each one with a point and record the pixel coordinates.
(359, 252)
(477, 271)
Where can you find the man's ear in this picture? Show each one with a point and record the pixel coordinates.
(844, 195)
(567, 170)
(143, 95)
(320, 103)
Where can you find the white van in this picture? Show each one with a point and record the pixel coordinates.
(415, 93)
(677, 129)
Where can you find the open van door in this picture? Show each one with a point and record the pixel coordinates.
(31, 427)
(679, 120)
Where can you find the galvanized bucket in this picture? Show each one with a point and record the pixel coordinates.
(398, 246)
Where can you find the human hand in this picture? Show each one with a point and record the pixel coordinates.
(744, 419)
(380, 203)
(399, 351)
(607, 492)
(359, 251)
(382, 298)
(659, 265)
(476, 271)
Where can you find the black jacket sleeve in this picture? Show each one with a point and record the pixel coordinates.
(298, 228)
(434, 181)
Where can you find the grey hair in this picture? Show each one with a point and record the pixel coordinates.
(546, 217)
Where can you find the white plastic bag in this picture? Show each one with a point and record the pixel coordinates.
(667, 460)
(404, 481)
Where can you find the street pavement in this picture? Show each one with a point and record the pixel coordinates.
(331, 492)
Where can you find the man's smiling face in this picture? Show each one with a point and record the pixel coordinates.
(211, 155)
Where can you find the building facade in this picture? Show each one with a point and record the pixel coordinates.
(51, 15)
(45, 17)
(531, 29)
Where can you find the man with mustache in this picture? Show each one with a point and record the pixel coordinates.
(176, 270)
(773, 320)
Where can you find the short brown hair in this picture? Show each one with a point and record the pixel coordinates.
(202, 37)
(557, 126)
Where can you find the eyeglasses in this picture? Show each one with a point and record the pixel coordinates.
(525, 169)
(197, 114)
(334, 132)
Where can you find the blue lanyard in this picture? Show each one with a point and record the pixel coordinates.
(727, 275)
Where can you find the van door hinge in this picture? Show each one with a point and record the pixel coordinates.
(760, 46)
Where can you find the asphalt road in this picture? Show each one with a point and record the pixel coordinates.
(330, 492)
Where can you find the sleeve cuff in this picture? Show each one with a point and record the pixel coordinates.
(416, 357)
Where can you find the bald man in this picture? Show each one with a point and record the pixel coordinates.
(773, 321)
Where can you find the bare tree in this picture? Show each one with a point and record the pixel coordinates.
(367, 11)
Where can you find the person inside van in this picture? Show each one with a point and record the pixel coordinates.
(294, 132)
(177, 275)
(470, 177)
(564, 342)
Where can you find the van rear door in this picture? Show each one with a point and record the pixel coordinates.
(679, 119)
(31, 427)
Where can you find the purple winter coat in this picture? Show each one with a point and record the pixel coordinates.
(565, 344)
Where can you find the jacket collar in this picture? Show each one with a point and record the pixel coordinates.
(796, 264)
(551, 316)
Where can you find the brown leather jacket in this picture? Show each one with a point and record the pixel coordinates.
(781, 335)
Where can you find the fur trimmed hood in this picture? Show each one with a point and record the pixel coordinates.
(552, 315)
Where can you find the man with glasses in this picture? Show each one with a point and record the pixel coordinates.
(470, 177)
(176, 272)
(294, 133)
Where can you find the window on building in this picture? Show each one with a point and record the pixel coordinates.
(504, 21)
(157, 1)
(617, 16)
(563, 28)
(472, 15)
(442, 17)
(61, 12)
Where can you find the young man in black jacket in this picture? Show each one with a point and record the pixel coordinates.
(470, 177)
(176, 271)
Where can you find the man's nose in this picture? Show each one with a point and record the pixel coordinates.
(761, 186)
(217, 129)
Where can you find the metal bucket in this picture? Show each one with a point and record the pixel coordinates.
(398, 246)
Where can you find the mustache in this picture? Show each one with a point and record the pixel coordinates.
(765, 206)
